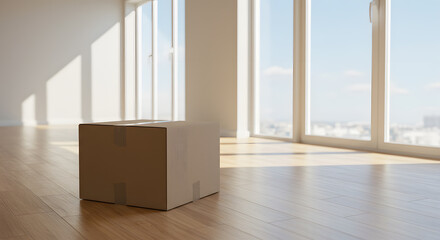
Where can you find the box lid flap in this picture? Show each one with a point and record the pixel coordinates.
(146, 123)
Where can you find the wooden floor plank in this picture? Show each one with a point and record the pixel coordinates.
(210, 209)
(249, 208)
(64, 205)
(92, 226)
(23, 202)
(400, 227)
(10, 227)
(429, 202)
(48, 226)
(313, 230)
(395, 212)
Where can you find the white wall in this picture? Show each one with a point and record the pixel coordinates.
(217, 63)
(61, 61)
(211, 62)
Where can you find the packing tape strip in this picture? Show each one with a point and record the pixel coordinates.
(196, 191)
(119, 136)
(142, 123)
(120, 193)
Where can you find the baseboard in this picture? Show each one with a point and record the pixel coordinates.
(6, 123)
(227, 133)
(64, 122)
(235, 134)
(243, 134)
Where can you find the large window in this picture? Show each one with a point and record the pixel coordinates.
(161, 59)
(414, 82)
(274, 67)
(340, 69)
(366, 75)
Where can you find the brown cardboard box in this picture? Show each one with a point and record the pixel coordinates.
(151, 164)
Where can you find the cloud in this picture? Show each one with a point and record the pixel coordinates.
(432, 109)
(353, 73)
(278, 71)
(433, 86)
(361, 87)
(398, 90)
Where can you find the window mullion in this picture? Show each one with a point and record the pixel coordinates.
(154, 81)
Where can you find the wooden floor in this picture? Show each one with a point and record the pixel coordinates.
(269, 190)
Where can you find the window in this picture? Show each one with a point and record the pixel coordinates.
(414, 82)
(340, 69)
(161, 59)
(366, 74)
(273, 40)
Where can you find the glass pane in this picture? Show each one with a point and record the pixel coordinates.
(164, 45)
(340, 69)
(181, 61)
(146, 60)
(414, 109)
(276, 67)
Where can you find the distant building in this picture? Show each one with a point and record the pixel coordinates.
(431, 121)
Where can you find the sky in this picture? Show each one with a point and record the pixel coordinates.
(276, 60)
(341, 43)
(415, 60)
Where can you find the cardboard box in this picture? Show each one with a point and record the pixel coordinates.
(151, 164)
